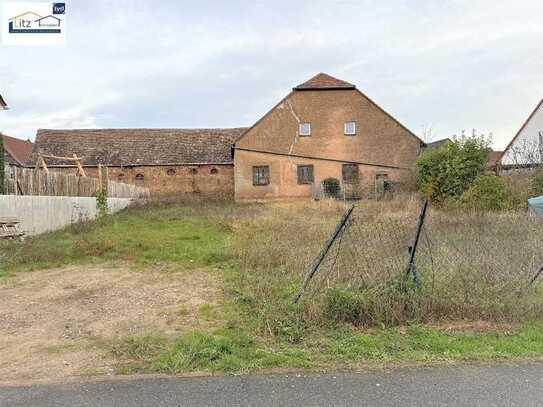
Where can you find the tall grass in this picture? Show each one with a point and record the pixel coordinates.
(471, 265)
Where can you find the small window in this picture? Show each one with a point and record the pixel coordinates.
(140, 177)
(261, 175)
(350, 128)
(304, 129)
(350, 173)
(305, 174)
(120, 176)
(194, 171)
(170, 172)
(214, 171)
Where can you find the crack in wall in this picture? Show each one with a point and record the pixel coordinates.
(298, 121)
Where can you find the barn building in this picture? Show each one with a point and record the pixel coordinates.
(324, 138)
(167, 161)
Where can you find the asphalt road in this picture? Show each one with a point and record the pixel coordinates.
(501, 385)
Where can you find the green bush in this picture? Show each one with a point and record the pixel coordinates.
(536, 184)
(488, 192)
(448, 171)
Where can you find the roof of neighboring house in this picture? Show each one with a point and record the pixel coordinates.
(18, 149)
(522, 128)
(130, 147)
(438, 143)
(324, 81)
(3, 103)
(493, 158)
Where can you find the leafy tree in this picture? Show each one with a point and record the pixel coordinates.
(2, 170)
(488, 192)
(449, 170)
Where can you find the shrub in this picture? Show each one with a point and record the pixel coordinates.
(448, 171)
(488, 192)
(536, 184)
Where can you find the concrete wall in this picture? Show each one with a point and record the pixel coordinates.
(205, 179)
(380, 140)
(39, 214)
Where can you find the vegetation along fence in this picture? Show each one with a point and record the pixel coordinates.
(29, 181)
(426, 264)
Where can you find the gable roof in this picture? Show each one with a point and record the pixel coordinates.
(134, 147)
(323, 81)
(520, 130)
(18, 149)
(3, 104)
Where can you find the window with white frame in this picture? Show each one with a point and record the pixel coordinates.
(304, 129)
(350, 128)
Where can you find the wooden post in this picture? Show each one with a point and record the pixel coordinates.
(106, 181)
(100, 188)
(79, 166)
(44, 165)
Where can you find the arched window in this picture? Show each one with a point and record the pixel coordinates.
(194, 171)
(214, 171)
(170, 172)
(120, 176)
(140, 177)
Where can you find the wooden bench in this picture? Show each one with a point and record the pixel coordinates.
(9, 228)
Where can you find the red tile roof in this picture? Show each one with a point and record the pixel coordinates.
(494, 158)
(324, 81)
(18, 149)
(124, 147)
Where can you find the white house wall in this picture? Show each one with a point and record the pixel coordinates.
(526, 148)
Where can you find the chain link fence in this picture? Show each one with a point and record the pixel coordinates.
(466, 265)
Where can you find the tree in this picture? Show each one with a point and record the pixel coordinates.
(2, 169)
(449, 170)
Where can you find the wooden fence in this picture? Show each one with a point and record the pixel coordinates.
(30, 181)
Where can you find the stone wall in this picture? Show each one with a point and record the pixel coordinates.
(284, 176)
(204, 179)
(381, 144)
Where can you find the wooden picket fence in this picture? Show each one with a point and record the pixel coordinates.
(30, 181)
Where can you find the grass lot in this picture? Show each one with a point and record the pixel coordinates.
(262, 253)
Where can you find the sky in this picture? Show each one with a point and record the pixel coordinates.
(439, 67)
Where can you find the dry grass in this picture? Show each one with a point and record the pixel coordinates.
(473, 266)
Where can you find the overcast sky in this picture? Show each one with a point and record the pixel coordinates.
(444, 65)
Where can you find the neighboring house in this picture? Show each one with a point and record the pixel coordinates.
(493, 156)
(16, 154)
(494, 159)
(327, 137)
(526, 149)
(16, 151)
(438, 143)
(163, 160)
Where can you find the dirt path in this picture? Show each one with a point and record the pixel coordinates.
(52, 322)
